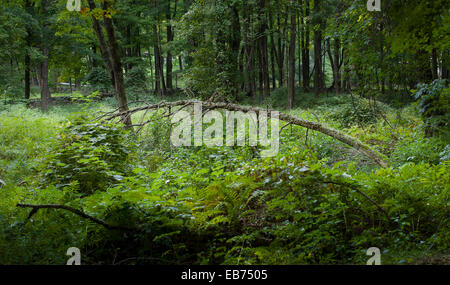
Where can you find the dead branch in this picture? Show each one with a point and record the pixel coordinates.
(358, 191)
(346, 139)
(36, 208)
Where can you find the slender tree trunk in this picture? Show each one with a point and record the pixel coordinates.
(299, 44)
(151, 69)
(338, 62)
(317, 53)
(27, 76)
(280, 57)
(272, 50)
(291, 77)
(169, 65)
(264, 63)
(43, 68)
(116, 67)
(157, 62)
(235, 45)
(27, 59)
(434, 64)
(43, 79)
(305, 49)
(180, 62)
(334, 61)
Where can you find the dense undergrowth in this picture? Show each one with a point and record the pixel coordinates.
(307, 205)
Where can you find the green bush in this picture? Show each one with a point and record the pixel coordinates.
(94, 155)
(417, 150)
(136, 78)
(361, 112)
(99, 79)
(434, 106)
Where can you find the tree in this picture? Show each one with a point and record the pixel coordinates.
(110, 53)
(291, 77)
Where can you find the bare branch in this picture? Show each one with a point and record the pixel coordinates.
(351, 141)
(75, 211)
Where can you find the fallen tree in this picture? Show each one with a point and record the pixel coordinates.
(351, 141)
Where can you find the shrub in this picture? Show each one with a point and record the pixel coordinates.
(434, 106)
(360, 112)
(136, 78)
(417, 150)
(99, 79)
(94, 155)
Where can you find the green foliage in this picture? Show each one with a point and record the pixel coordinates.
(99, 79)
(136, 78)
(434, 106)
(417, 150)
(218, 205)
(91, 154)
(359, 112)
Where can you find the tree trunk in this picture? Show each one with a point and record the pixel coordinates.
(157, 62)
(43, 79)
(27, 76)
(334, 61)
(291, 77)
(305, 49)
(280, 57)
(317, 52)
(117, 67)
(43, 69)
(27, 59)
(264, 63)
(434, 64)
(169, 65)
(272, 50)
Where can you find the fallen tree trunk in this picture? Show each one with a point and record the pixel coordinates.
(351, 141)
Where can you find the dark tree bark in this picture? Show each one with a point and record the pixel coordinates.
(305, 49)
(248, 51)
(43, 67)
(152, 80)
(104, 50)
(317, 52)
(280, 55)
(110, 53)
(180, 62)
(27, 59)
(434, 64)
(264, 59)
(27, 75)
(170, 36)
(272, 50)
(291, 77)
(157, 62)
(334, 61)
(235, 45)
(117, 66)
(43, 80)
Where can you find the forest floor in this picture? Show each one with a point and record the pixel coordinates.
(196, 189)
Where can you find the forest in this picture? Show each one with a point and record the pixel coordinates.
(118, 140)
